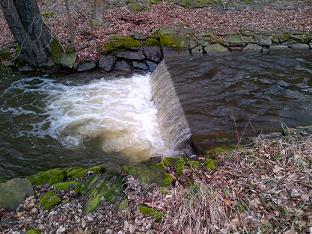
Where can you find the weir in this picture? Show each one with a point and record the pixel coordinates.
(219, 100)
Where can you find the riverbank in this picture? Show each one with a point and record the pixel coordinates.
(201, 30)
(264, 188)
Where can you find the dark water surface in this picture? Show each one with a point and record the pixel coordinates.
(50, 122)
(226, 98)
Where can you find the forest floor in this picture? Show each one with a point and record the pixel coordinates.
(122, 21)
(265, 189)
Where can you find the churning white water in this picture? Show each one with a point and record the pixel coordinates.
(116, 113)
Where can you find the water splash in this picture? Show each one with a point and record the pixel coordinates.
(116, 113)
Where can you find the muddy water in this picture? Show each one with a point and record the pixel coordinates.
(49, 122)
(227, 98)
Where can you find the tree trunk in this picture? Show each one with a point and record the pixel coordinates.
(33, 36)
(98, 11)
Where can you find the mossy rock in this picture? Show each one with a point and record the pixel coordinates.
(80, 172)
(284, 37)
(152, 42)
(68, 59)
(47, 14)
(100, 188)
(56, 51)
(173, 41)
(33, 231)
(51, 177)
(211, 164)
(119, 43)
(304, 38)
(149, 174)
(68, 185)
(216, 48)
(13, 192)
(48, 200)
(151, 212)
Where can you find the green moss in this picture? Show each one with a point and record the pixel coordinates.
(149, 174)
(154, 1)
(172, 41)
(152, 42)
(47, 14)
(102, 187)
(48, 200)
(66, 185)
(247, 1)
(123, 204)
(52, 176)
(180, 166)
(33, 231)
(76, 172)
(214, 152)
(168, 161)
(79, 172)
(150, 212)
(211, 164)
(185, 3)
(275, 39)
(119, 43)
(56, 51)
(193, 164)
(301, 38)
(284, 37)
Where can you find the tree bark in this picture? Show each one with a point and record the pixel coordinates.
(33, 36)
(98, 11)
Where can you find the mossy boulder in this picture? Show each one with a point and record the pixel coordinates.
(48, 200)
(80, 172)
(98, 188)
(149, 174)
(173, 41)
(68, 59)
(119, 43)
(52, 176)
(151, 212)
(68, 185)
(56, 51)
(13, 192)
(152, 42)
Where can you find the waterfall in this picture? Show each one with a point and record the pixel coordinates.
(171, 117)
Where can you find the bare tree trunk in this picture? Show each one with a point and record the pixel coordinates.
(70, 25)
(98, 11)
(33, 36)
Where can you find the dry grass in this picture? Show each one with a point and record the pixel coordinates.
(268, 190)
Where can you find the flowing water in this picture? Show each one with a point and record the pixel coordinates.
(46, 123)
(219, 100)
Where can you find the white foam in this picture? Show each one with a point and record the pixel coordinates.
(119, 113)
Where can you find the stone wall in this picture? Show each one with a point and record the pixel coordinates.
(139, 5)
(139, 52)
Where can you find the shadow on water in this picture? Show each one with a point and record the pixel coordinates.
(225, 98)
